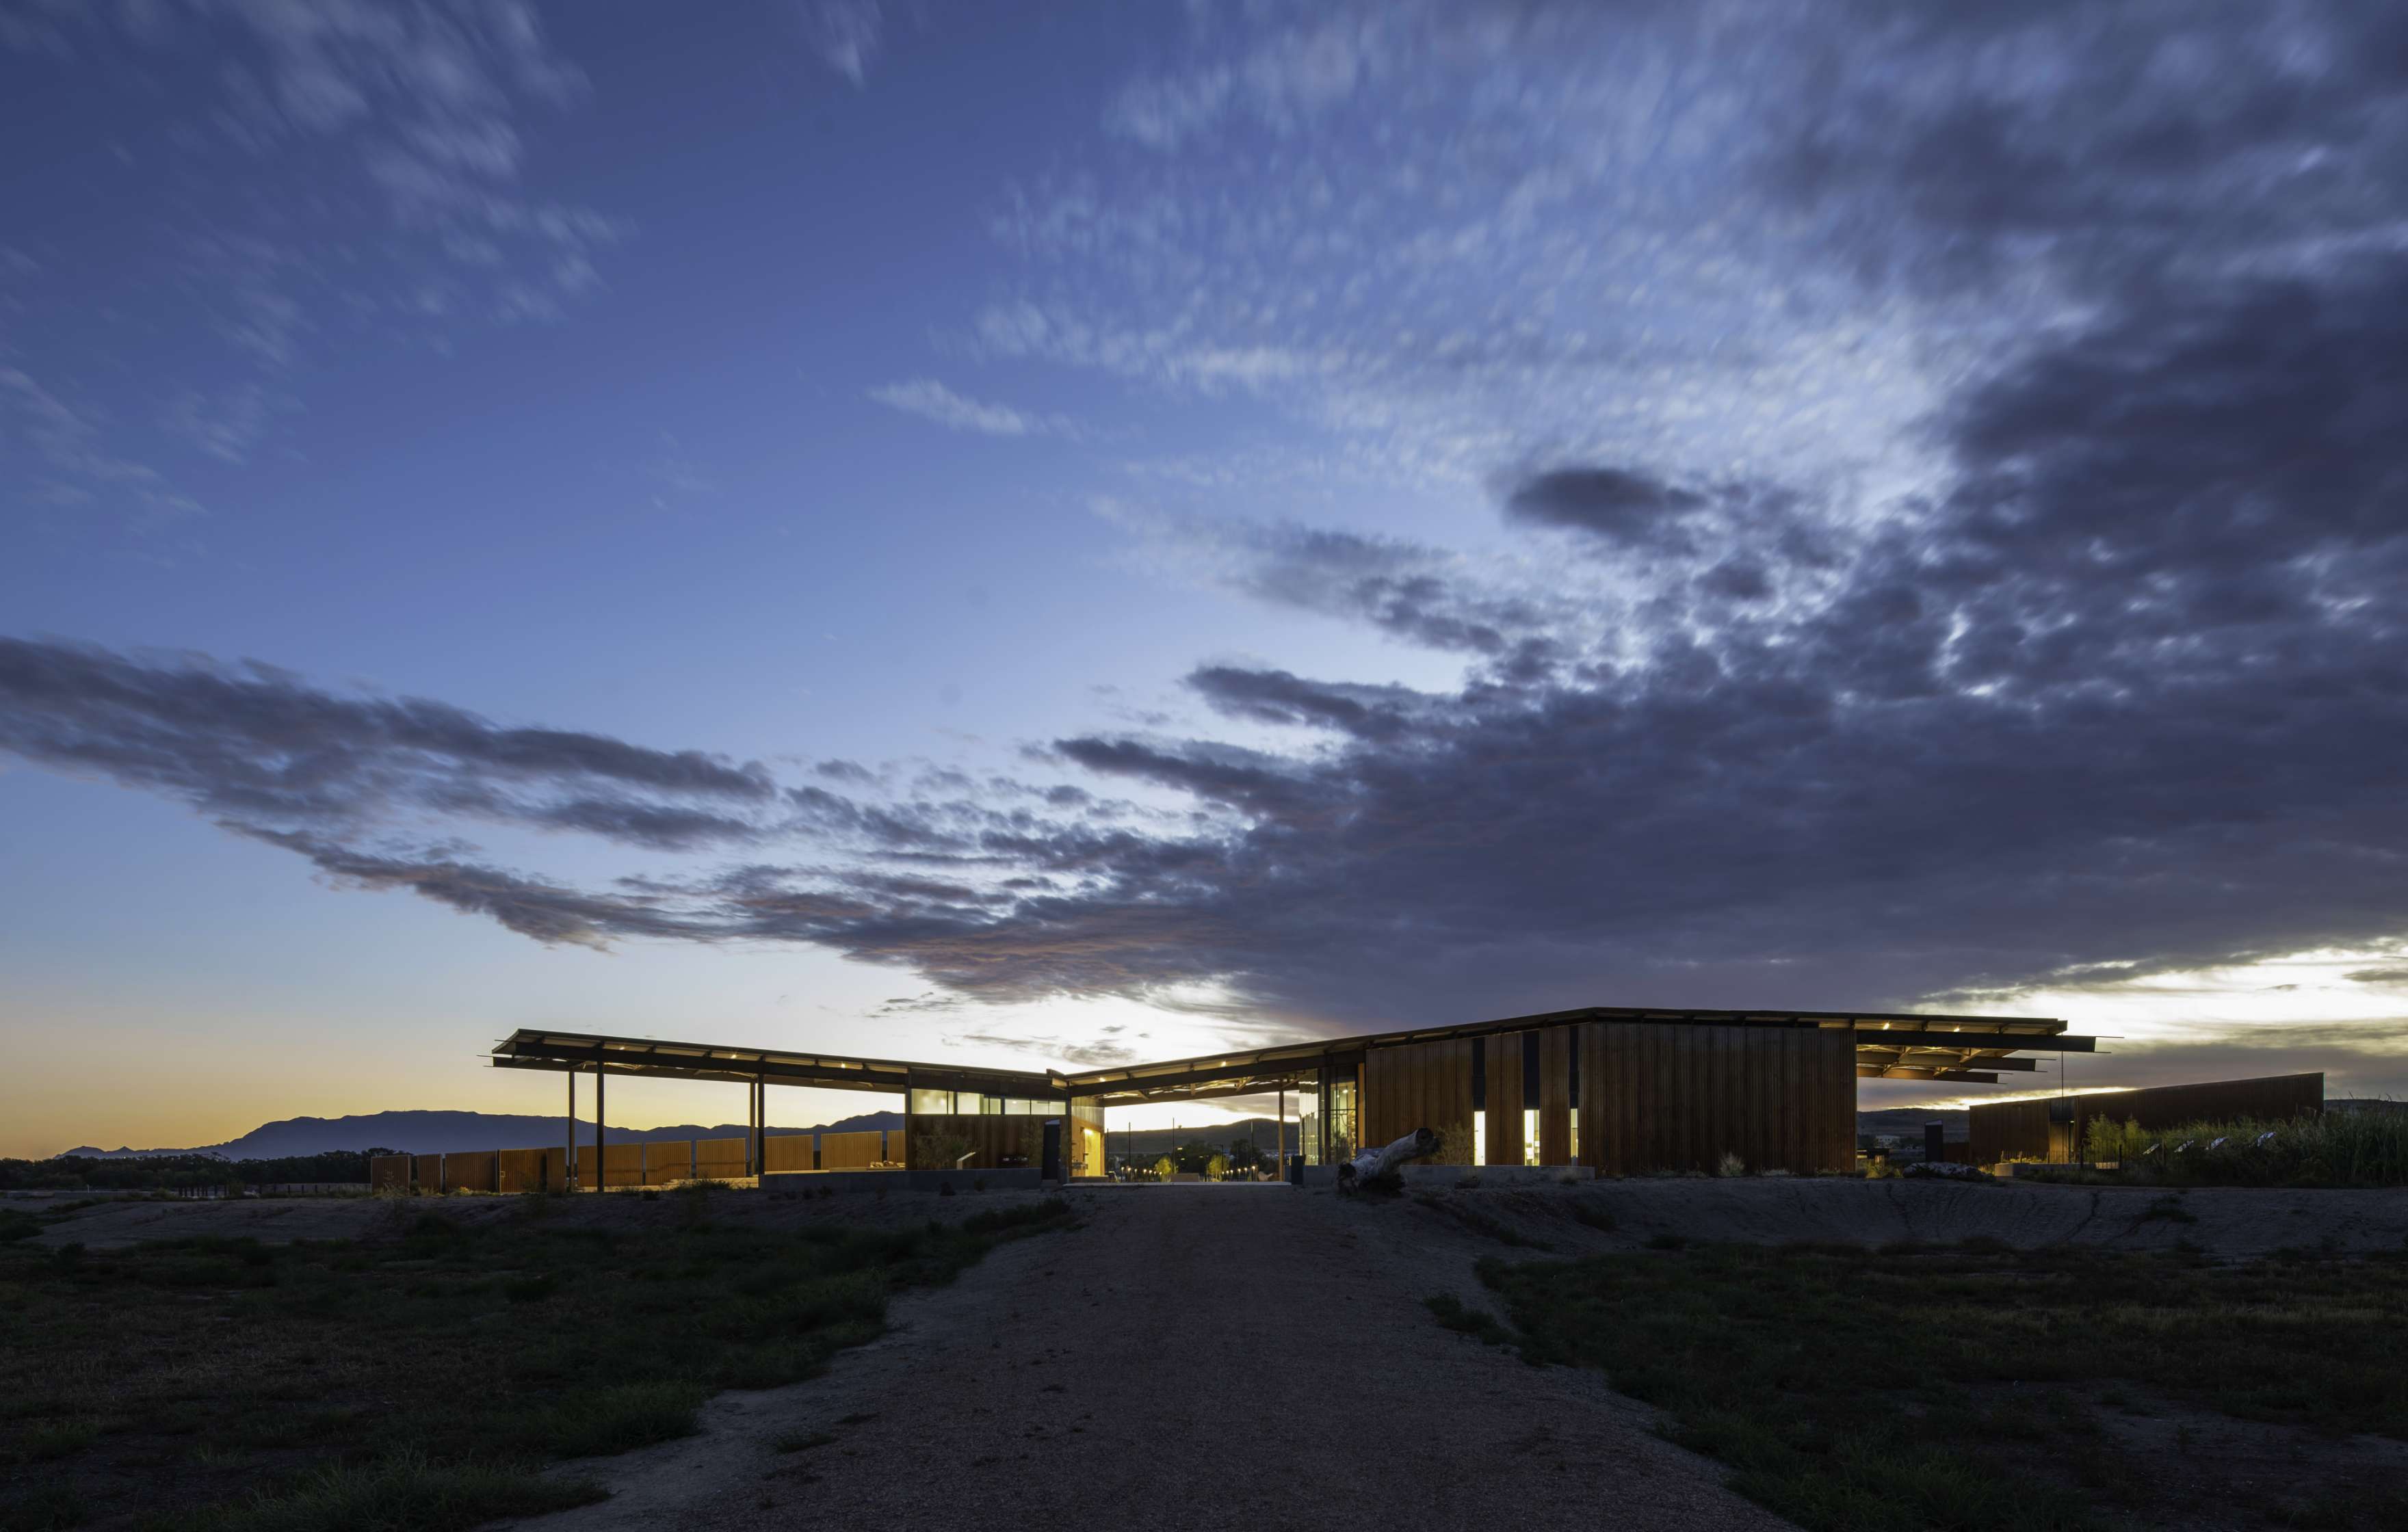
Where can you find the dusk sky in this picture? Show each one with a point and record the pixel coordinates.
(1049, 535)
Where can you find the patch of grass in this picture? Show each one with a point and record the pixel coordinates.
(52, 1440)
(1595, 1217)
(1919, 1386)
(2169, 1208)
(404, 1493)
(245, 1365)
(46, 1508)
(616, 1420)
(1463, 1318)
(801, 1441)
(16, 1223)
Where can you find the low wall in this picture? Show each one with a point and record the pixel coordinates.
(517, 1170)
(788, 1151)
(658, 1163)
(722, 1159)
(794, 1183)
(851, 1150)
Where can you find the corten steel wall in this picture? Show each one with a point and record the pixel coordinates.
(520, 1169)
(388, 1173)
(669, 1161)
(784, 1152)
(426, 1172)
(472, 1172)
(2020, 1130)
(623, 1164)
(850, 1151)
(2008, 1130)
(720, 1159)
(1655, 1095)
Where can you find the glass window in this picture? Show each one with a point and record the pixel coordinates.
(932, 1103)
(1480, 1137)
(1530, 1135)
(1020, 1106)
(1573, 1117)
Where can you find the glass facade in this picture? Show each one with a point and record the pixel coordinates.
(1341, 1120)
(973, 1104)
(1530, 1135)
(1480, 1137)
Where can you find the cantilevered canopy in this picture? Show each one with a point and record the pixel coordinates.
(531, 1049)
(1888, 1045)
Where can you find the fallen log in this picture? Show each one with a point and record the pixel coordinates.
(1374, 1164)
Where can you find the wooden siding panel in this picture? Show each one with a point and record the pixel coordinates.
(722, 1159)
(1636, 1065)
(1722, 1047)
(1556, 1095)
(519, 1169)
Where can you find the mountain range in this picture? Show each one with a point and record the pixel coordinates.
(444, 1132)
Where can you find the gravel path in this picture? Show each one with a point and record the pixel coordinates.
(1205, 1357)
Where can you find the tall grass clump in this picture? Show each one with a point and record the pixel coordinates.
(2326, 1149)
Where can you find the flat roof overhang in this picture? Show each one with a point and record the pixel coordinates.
(1890, 1045)
(1893, 1045)
(534, 1048)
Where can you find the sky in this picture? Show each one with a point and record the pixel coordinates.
(1024, 534)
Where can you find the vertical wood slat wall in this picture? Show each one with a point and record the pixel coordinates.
(1655, 1095)
(1556, 1095)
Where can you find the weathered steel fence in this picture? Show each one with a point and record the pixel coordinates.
(661, 1163)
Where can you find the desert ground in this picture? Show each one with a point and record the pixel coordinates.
(1232, 1356)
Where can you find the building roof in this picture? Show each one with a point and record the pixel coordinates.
(1894, 1045)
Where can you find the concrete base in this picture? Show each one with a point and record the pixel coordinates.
(796, 1183)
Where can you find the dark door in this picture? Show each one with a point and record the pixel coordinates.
(1053, 1151)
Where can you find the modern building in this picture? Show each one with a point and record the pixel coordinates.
(2054, 1128)
(1622, 1090)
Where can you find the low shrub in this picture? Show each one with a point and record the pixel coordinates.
(2321, 1149)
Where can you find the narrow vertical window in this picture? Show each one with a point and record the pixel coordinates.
(1478, 1136)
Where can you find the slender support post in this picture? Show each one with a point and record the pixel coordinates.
(1279, 1137)
(601, 1160)
(761, 1127)
(568, 1162)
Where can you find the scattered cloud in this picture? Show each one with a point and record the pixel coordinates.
(932, 400)
(847, 35)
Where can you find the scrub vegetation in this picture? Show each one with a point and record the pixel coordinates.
(1979, 1387)
(183, 1172)
(418, 1382)
(2367, 1148)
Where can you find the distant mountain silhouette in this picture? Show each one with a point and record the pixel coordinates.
(443, 1132)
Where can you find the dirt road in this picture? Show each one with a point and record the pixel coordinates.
(1195, 1358)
